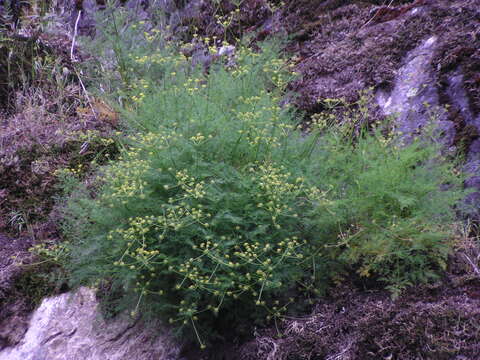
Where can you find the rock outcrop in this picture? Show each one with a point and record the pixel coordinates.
(70, 327)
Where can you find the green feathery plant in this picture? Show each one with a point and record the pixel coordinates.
(218, 212)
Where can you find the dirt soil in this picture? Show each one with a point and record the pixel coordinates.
(439, 321)
(13, 308)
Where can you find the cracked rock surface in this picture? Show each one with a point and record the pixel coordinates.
(70, 327)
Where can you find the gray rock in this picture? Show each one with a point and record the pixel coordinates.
(70, 327)
(414, 100)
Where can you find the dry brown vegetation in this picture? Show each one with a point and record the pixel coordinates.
(44, 127)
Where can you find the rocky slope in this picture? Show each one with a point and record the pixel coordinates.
(418, 59)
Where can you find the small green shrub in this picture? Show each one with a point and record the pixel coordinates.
(218, 211)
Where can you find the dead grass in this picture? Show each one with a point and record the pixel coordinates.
(44, 127)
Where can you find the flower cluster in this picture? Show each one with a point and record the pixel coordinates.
(216, 211)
